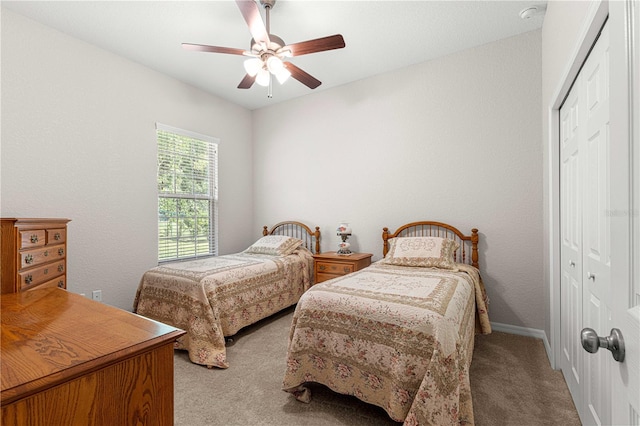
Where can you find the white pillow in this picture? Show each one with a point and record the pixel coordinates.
(430, 252)
(275, 245)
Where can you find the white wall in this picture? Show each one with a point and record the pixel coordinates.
(456, 139)
(78, 141)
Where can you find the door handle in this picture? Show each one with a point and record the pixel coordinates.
(591, 342)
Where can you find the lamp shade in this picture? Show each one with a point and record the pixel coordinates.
(263, 77)
(252, 66)
(283, 75)
(344, 229)
(274, 64)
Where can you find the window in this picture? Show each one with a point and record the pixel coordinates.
(187, 194)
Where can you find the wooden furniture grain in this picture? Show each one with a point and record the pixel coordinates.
(67, 360)
(34, 253)
(468, 244)
(331, 265)
(310, 239)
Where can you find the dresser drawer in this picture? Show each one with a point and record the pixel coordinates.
(320, 277)
(334, 268)
(30, 238)
(330, 265)
(60, 282)
(29, 258)
(34, 276)
(56, 236)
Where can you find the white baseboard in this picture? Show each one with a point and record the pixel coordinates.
(524, 331)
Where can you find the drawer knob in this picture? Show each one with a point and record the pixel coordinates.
(34, 238)
(28, 259)
(46, 271)
(61, 284)
(60, 268)
(28, 279)
(60, 252)
(347, 269)
(46, 253)
(321, 267)
(57, 236)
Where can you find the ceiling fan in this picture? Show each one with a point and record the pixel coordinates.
(269, 52)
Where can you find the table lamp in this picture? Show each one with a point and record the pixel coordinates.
(344, 231)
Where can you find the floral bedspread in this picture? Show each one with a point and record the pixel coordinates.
(215, 297)
(394, 336)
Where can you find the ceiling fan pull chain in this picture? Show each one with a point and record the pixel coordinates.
(270, 89)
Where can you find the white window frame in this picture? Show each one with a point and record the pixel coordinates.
(183, 249)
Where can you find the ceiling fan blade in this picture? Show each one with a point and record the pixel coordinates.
(316, 45)
(302, 76)
(251, 15)
(214, 49)
(246, 82)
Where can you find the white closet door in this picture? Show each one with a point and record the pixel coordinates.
(585, 233)
(596, 229)
(571, 244)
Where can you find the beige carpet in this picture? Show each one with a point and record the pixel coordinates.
(511, 381)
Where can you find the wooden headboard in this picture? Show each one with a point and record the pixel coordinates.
(466, 253)
(310, 239)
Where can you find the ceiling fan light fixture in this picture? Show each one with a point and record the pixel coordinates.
(274, 64)
(263, 77)
(268, 50)
(252, 66)
(283, 75)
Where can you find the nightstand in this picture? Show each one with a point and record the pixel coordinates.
(331, 265)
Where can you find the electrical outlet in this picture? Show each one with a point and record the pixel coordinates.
(96, 295)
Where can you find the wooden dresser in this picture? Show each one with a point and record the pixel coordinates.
(67, 360)
(331, 265)
(34, 253)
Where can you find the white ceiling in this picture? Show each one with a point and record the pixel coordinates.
(380, 36)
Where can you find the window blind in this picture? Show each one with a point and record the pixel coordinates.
(187, 194)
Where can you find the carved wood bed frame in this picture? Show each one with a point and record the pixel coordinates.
(468, 243)
(310, 239)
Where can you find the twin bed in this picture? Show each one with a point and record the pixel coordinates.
(213, 298)
(398, 334)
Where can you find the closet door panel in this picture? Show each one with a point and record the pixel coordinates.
(571, 235)
(585, 234)
(596, 228)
